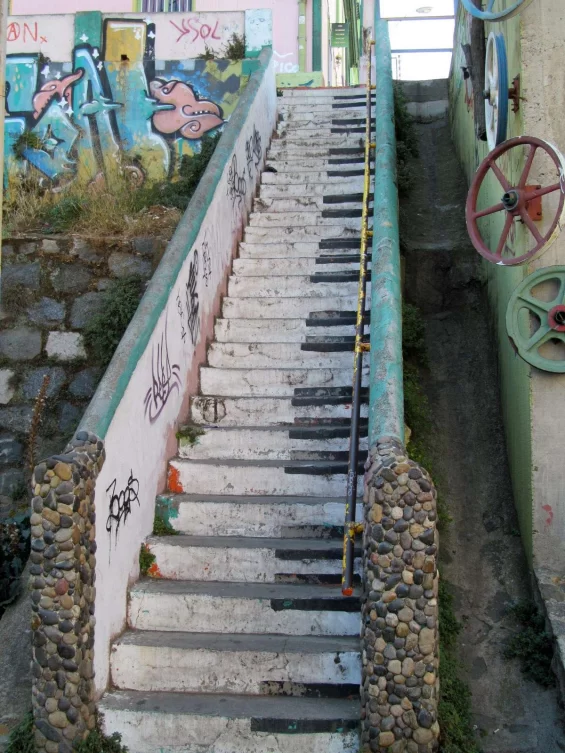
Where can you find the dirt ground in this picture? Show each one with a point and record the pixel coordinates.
(481, 553)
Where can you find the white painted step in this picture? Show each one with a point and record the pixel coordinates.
(306, 191)
(271, 382)
(212, 663)
(263, 478)
(330, 147)
(313, 203)
(335, 136)
(289, 609)
(302, 220)
(261, 411)
(295, 286)
(322, 92)
(323, 120)
(296, 249)
(345, 110)
(301, 266)
(276, 355)
(208, 515)
(339, 175)
(333, 130)
(191, 723)
(244, 559)
(274, 330)
(253, 307)
(292, 160)
(315, 233)
(257, 442)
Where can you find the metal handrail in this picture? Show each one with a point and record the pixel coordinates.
(350, 527)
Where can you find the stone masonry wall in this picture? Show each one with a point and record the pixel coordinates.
(51, 287)
(399, 695)
(63, 572)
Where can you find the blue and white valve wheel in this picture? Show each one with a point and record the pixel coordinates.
(489, 15)
(496, 90)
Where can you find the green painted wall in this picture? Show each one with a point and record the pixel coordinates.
(317, 35)
(501, 281)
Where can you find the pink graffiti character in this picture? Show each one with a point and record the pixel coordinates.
(191, 116)
(55, 89)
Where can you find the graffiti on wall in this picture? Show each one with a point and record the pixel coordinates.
(113, 105)
(165, 379)
(120, 504)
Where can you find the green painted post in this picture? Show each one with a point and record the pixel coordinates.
(316, 35)
(386, 400)
(302, 35)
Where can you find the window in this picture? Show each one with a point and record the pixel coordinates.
(165, 6)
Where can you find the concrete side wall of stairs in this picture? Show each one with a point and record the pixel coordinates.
(146, 389)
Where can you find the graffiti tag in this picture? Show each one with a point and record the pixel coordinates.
(195, 27)
(253, 151)
(206, 262)
(192, 302)
(237, 184)
(165, 379)
(121, 503)
(26, 34)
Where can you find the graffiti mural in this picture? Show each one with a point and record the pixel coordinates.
(113, 106)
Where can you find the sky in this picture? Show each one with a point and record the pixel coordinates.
(420, 34)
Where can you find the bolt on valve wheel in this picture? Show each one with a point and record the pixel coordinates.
(489, 14)
(535, 319)
(519, 202)
(496, 90)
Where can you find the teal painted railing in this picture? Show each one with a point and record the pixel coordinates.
(386, 400)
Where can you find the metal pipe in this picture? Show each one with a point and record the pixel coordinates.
(350, 527)
(386, 399)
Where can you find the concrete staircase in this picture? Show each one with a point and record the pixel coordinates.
(245, 644)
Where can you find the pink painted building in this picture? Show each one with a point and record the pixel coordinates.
(285, 16)
(301, 30)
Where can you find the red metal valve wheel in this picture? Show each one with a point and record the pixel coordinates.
(515, 201)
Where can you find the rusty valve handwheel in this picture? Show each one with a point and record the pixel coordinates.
(515, 201)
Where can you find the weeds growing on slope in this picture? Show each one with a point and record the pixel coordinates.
(454, 712)
(113, 207)
(531, 645)
(105, 329)
(22, 738)
(406, 142)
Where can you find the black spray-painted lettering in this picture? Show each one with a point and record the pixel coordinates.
(192, 301)
(165, 379)
(120, 503)
(237, 185)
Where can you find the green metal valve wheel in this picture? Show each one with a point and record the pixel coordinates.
(535, 319)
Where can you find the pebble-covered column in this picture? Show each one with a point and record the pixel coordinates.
(400, 688)
(63, 566)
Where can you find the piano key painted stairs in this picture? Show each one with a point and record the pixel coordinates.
(245, 643)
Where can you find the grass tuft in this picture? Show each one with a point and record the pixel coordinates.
(454, 713)
(146, 559)
(97, 742)
(235, 48)
(162, 527)
(105, 330)
(532, 645)
(406, 142)
(22, 738)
